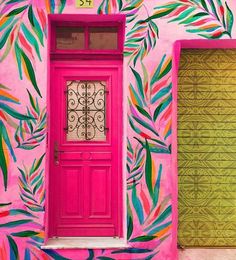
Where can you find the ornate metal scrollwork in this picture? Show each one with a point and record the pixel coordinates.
(86, 117)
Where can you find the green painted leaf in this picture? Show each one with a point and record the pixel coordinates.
(3, 164)
(143, 112)
(160, 14)
(148, 169)
(27, 233)
(229, 19)
(132, 251)
(5, 204)
(213, 8)
(17, 10)
(142, 239)
(105, 258)
(61, 6)
(129, 220)
(10, 111)
(203, 2)
(38, 163)
(30, 72)
(14, 254)
(16, 223)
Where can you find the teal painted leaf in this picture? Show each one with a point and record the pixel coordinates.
(137, 205)
(139, 85)
(161, 107)
(35, 25)
(213, 26)
(10, 111)
(31, 39)
(159, 228)
(91, 254)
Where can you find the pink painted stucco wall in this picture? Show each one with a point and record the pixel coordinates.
(152, 28)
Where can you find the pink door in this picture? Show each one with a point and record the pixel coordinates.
(85, 178)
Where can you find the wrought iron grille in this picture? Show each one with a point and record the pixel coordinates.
(86, 116)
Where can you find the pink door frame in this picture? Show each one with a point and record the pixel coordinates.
(54, 54)
(178, 45)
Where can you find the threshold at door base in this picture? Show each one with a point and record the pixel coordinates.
(84, 242)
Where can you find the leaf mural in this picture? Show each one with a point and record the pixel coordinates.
(135, 164)
(151, 210)
(31, 184)
(140, 40)
(23, 29)
(150, 106)
(7, 112)
(20, 231)
(209, 19)
(30, 133)
(129, 8)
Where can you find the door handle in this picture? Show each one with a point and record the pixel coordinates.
(56, 153)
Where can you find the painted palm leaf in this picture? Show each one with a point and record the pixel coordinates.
(30, 133)
(23, 29)
(135, 165)
(210, 19)
(140, 40)
(129, 8)
(7, 114)
(151, 210)
(31, 186)
(150, 106)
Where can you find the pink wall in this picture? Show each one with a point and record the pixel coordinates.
(155, 26)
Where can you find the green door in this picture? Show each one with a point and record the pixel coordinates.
(207, 148)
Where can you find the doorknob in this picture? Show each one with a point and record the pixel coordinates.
(56, 153)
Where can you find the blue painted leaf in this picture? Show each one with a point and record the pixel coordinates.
(14, 254)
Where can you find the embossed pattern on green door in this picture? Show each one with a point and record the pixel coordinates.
(207, 148)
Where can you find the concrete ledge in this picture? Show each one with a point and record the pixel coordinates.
(84, 242)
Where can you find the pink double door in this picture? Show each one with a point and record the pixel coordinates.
(85, 125)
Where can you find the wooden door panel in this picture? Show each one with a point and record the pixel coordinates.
(88, 199)
(100, 193)
(71, 193)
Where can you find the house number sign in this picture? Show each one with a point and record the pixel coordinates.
(84, 3)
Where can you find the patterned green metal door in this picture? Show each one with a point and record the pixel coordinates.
(207, 148)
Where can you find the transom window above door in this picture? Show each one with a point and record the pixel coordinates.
(100, 34)
(87, 38)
